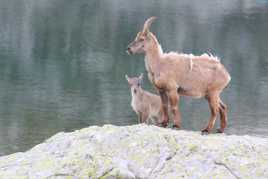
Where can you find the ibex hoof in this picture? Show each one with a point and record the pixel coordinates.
(219, 130)
(176, 126)
(163, 124)
(205, 132)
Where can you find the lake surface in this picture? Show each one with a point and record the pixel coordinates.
(63, 62)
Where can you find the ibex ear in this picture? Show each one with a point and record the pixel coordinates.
(149, 35)
(127, 78)
(141, 76)
(146, 33)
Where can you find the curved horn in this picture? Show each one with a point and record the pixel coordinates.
(148, 23)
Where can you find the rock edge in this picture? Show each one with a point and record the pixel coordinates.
(140, 151)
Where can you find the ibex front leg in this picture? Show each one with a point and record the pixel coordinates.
(173, 99)
(164, 100)
(143, 116)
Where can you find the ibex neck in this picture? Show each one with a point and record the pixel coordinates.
(154, 50)
(138, 95)
(153, 54)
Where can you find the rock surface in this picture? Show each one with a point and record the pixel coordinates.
(140, 151)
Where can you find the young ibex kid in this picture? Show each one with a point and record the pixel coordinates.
(146, 105)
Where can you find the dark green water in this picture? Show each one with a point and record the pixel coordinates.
(62, 62)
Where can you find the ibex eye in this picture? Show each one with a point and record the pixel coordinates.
(135, 91)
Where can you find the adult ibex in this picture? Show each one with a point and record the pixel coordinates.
(175, 74)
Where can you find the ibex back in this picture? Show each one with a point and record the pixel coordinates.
(175, 74)
(146, 105)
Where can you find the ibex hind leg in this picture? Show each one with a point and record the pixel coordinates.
(213, 101)
(153, 121)
(223, 116)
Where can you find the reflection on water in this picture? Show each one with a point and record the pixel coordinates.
(62, 62)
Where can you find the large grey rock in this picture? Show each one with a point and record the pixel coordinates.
(140, 151)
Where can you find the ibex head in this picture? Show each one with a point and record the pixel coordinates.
(142, 38)
(134, 83)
